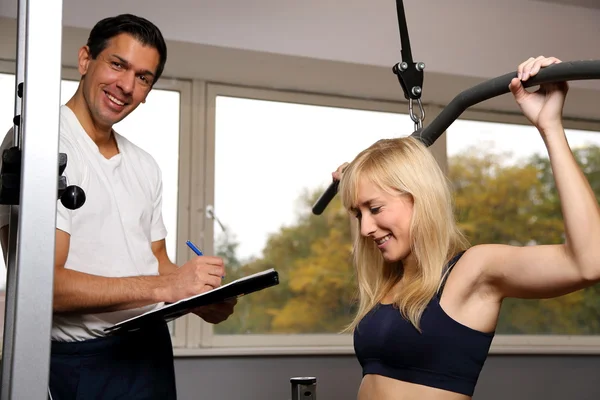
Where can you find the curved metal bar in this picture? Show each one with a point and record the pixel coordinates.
(565, 71)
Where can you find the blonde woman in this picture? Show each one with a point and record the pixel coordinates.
(429, 303)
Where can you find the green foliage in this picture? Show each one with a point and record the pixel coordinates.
(518, 204)
(317, 283)
(496, 202)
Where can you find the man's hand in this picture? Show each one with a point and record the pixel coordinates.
(216, 313)
(200, 274)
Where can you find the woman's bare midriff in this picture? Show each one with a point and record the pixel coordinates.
(376, 387)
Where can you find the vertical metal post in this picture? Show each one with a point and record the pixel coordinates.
(11, 262)
(28, 367)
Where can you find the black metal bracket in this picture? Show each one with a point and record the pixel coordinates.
(409, 73)
(72, 197)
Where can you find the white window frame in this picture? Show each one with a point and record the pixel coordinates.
(184, 87)
(202, 341)
(193, 337)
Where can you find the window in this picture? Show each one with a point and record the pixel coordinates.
(505, 193)
(264, 156)
(274, 155)
(154, 126)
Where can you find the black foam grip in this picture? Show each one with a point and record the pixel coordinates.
(565, 71)
(323, 201)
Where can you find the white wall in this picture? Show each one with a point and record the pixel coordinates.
(479, 38)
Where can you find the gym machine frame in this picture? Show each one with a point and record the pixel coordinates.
(30, 260)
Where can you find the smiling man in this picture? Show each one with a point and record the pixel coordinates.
(111, 262)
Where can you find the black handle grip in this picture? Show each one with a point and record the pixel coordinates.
(325, 198)
(565, 71)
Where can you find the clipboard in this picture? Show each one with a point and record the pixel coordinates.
(168, 312)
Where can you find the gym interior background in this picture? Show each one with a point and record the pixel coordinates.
(262, 99)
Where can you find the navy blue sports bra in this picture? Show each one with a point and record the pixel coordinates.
(446, 355)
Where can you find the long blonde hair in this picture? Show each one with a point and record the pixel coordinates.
(403, 166)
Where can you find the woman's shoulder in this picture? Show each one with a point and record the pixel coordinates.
(467, 267)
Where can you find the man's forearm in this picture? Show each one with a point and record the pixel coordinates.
(78, 292)
(167, 267)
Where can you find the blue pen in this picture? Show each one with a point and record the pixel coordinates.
(196, 250)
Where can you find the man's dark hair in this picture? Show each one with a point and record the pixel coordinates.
(140, 28)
